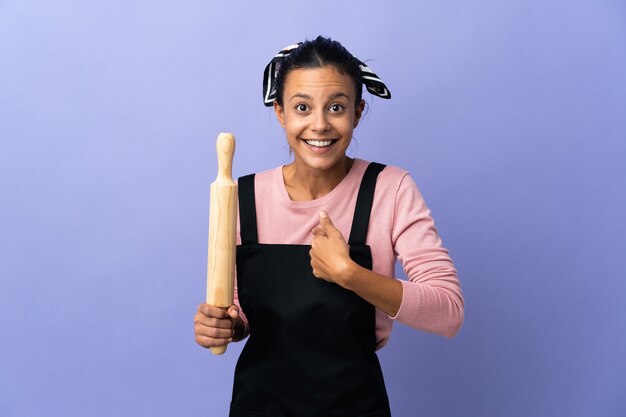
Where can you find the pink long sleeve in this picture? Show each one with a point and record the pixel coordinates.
(400, 228)
(432, 300)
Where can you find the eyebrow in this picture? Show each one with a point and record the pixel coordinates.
(308, 97)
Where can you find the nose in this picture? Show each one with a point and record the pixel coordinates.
(320, 122)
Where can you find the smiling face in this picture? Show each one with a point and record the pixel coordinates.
(319, 114)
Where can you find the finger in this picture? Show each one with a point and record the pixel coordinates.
(314, 243)
(202, 320)
(212, 311)
(327, 224)
(314, 269)
(233, 312)
(209, 342)
(314, 264)
(215, 332)
(319, 231)
(324, 218)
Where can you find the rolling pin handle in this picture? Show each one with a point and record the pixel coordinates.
(225, 151)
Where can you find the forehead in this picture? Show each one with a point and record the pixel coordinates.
(324, 79)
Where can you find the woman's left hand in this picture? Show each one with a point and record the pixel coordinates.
(330, 254)
(330, 260)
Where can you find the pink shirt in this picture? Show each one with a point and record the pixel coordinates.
(400, 228)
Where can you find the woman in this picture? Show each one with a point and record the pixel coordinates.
(318, 306)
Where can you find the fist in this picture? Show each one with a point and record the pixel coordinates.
(215, 326)
(330, 254)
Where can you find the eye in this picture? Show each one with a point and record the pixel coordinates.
(336, 108)
(301, 107)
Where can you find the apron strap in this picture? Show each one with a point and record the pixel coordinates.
(247, 210)
(247, 207)
(364, 204)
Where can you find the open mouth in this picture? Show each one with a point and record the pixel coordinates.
(323, 143)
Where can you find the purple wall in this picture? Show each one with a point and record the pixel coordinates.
(511, 117)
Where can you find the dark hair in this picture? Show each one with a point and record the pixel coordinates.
(319, 53)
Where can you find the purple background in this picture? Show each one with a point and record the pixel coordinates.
(511, 117)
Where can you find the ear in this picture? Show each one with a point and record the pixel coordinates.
(280, 114)
(358, 112)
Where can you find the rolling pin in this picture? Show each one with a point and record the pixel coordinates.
(222, 230)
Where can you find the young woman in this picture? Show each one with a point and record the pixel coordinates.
(318, 240)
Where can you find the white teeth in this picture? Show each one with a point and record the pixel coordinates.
(319, 143)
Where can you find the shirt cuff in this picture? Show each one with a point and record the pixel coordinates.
(410, 300)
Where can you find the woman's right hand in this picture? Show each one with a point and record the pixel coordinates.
(215, 326)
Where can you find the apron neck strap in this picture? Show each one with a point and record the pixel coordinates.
(247, 207)
(364, 204)
(247, 210)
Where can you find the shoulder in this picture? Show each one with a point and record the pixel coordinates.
(269, 176)
(265, 177)
(392, 175)
(391, 179)
(397, 192)
(269, 188)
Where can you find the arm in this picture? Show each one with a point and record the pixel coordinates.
(431, 300)
(330, 260)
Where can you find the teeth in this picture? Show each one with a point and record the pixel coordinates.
(319, 143)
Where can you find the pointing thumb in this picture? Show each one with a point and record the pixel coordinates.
(329, 227)
(325, 220)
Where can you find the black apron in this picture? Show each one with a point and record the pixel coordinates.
(311, 350)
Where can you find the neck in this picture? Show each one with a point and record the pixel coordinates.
(304, 183)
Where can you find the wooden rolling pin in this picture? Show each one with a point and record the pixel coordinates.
(222, 230)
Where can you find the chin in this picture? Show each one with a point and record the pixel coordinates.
(323, 164)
